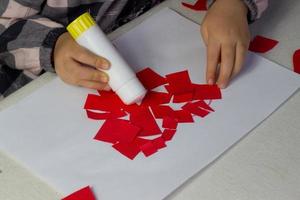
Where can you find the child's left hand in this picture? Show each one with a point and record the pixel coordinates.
(226, 34)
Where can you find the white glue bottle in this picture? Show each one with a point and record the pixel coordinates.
(122, 79)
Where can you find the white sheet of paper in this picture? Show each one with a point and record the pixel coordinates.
(50, 133)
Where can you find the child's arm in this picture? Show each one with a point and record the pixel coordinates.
(33, 43)
(226, 34)
(26, 38)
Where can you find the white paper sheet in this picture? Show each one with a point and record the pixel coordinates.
(50, 133)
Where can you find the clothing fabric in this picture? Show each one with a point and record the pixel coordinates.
(29, 30)
(256, 8)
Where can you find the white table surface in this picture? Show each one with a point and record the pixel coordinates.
(264, 165)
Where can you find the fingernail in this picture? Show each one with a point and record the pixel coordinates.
(106, 64)
(222, 86)
(104, 78)
(210, 82)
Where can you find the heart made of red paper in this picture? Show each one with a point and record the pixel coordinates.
(132, 129)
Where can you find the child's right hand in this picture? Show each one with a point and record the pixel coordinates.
(78, 66)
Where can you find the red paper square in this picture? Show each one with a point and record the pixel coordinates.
(194, 109)
(148, 149)
(296, 60)
(82, 194)
(185, 97)
(203, 92)
(179, 82)
(105, 115)
(156, 98)
(139, 141)
(168, 88)
(161, 111)
(150, 78)
(183, 116)
(262, 44)
(130, 150)
(203, 105)
(168, 134)
(170, 122)
(159, 143)
(103, 103)
(145, 120)
(131, 108)
(117, 130)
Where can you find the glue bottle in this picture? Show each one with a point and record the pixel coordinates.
(122, 79)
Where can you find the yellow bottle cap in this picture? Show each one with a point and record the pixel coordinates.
(80, 25)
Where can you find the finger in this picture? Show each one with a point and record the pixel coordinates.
(82, 72)
(204, 35)
(213, 54)
(92, 85)
(227, 64)
(241, 53)
(107, 88)
(88, 58)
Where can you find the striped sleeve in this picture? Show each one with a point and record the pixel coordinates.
(256, 8)
(26, 38)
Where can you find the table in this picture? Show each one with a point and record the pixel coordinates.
(263, 165)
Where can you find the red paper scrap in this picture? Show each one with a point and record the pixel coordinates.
(185, 97)
(93, 102)
(85, 193)
(139, 141)
(194, 109)
(130, 150)
(199, 5)
(111, 98)
(203, 105)
(168, 134)
(148, 148)
(168, 88)
(159, 143)
(96, 102)
(170, 122)
(131, 108)
(179, 83)
(145, 120)
(108, 94)
(156, 98)
(296, 59)
(183, 116)
(117, 130)
(262, 44)
(161, 111)
(106, 115)
(150, 78)
(203, 92)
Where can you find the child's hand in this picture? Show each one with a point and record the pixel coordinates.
(78, 66)
(226, 34)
